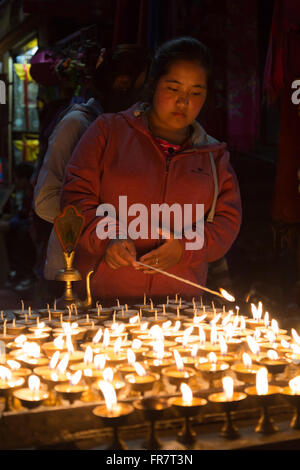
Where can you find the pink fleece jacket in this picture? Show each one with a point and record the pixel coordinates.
(118, 156)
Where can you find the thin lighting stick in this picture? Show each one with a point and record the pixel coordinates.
(182, 280)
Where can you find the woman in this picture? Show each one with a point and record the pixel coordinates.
(154, 153)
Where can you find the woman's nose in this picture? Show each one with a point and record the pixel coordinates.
(183, 99)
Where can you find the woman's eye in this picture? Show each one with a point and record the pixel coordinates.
(172, 89)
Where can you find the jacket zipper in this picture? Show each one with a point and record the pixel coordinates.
(168, 161)
(168, 164)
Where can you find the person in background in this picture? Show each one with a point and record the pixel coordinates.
(19, 243)
(156, 152)
(118, 77)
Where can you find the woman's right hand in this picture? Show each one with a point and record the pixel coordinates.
(120, 253)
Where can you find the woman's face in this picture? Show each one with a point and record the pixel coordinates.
(179, 95)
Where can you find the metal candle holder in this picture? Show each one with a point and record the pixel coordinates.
(69, 392)
(142, 384)
(7, 389)
(265, 424)
(30, 402)
(229, 429)
(294, 400)
(152, 409)
(115, 419)
(187, 411)
(68, 227)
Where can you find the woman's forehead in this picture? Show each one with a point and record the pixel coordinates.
(183, 72)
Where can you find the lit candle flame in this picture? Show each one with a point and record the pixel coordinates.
(294, 385)
(14, 365)
(59, 342)
(21, 339)
(156, 332)
(117, 346)
(200, 319)
(223, 344)
(118, 328)
(213, 334)
(109, 394)
(194, 350)
(186, 335)
(253, 345)
(257, 333)
(274, 326)
(257, 311)
(34, 383)
(266, 319)
(295, 336)
(54, 376)
(63, 364)
(134, 319)
(228, 387)
(273, 355)
(187, 394)
(262, 385)
(131, 357)
(166, 325)
(106, 338)
(108, 374)
(140, 369)
(212, 357)
(229, 331)
(202, 336)
(295, 349)
(215, 320)
(247, 360)
(88, 355)
(178, 360)
(76, 377)
(69, 343)
(226, 295)
(271, 337)
(227, 319)
(285, 344)
(32, 349)
(236, 321)
(136, 344)
(97, 336)
(88, 372)
(159, 349)
(99, 361)
(5, 373)
(54, 360)
(144, 326)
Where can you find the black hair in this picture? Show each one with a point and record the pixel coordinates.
(123, 59)
(182, 48)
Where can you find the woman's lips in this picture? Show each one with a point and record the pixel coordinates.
(178, 114)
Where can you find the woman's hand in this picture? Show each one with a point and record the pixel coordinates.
(120, 253)
(164, 257)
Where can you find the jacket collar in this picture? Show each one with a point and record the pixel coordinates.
(136, 115)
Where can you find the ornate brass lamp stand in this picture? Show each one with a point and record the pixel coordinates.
(68, 227)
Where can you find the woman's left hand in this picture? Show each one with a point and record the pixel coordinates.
(163, 257)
